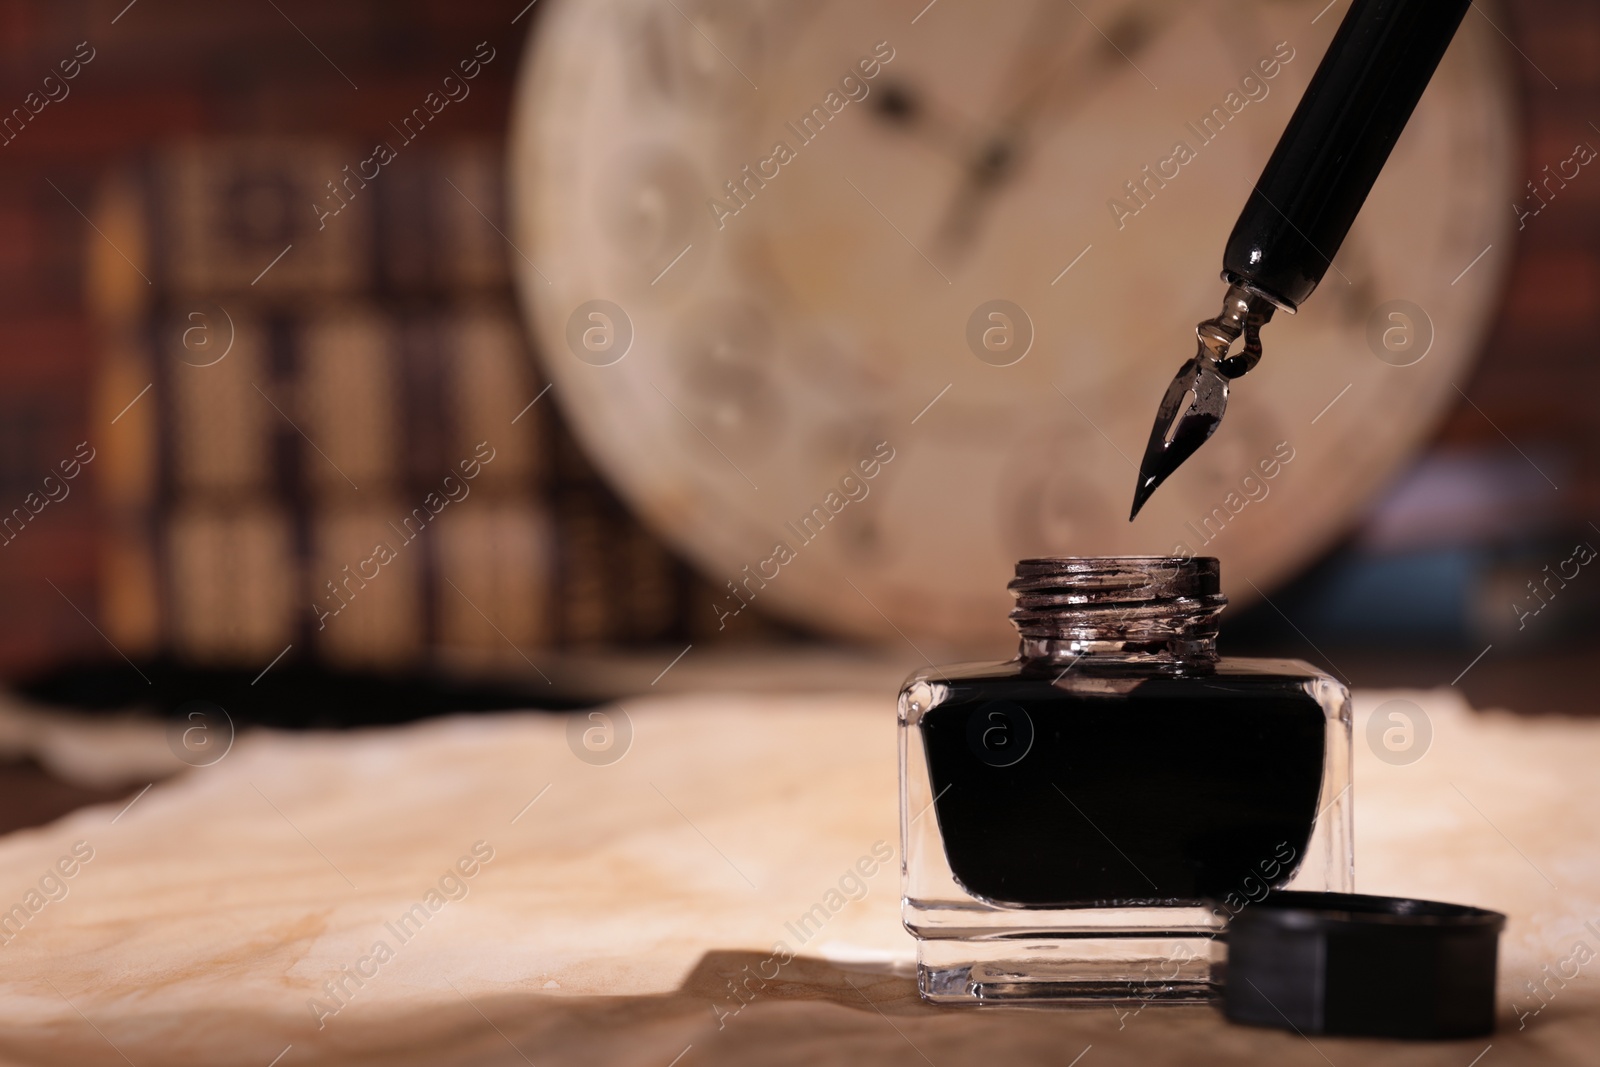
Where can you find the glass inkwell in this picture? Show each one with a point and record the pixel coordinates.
(1081, 822)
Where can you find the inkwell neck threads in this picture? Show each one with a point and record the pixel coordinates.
(1156, 609)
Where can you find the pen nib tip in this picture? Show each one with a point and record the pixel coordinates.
(1141, 493)
(1190, 412)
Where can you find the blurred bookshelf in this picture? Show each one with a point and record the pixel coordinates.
(197, 539)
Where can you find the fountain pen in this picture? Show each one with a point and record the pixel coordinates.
(1297, 215)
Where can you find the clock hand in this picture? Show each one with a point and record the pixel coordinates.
(993, 161)
(985, 161)
(1038, 76)
(1337, 141)
(899, 105)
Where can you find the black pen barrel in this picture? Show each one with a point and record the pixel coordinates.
(1336, 143)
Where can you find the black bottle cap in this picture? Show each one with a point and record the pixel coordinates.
(1343, 963)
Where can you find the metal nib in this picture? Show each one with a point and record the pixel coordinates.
(1189, 414)
(1192, 408)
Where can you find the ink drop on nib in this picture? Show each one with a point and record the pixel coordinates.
(1080, 821)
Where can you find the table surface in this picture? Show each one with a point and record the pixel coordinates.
(302, 900)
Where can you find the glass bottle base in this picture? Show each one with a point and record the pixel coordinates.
(1067, 969)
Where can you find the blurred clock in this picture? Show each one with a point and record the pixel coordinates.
(758, 237)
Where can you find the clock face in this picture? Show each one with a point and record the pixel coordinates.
(764, 243)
